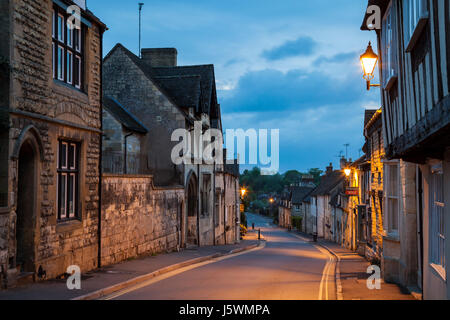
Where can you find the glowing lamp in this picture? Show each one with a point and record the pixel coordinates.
(347, 172)
(368, 62)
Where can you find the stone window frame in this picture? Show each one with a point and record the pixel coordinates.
(75, 49)
(68, 170)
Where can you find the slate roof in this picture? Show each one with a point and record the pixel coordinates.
(207, 81)
(146, 69)
(121, 114)
(160, 76)
(368, 115)
(185, 90)
(328, 182)
(300, 193)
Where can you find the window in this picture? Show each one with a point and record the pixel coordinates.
(205, 194)
(437, 220)
(68, 177)
(389, 38)
(415, 13)
(67, 49)
(391, 171)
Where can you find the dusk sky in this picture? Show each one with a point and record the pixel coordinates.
(291, 65)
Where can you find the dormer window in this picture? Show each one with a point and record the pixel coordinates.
(67, 49)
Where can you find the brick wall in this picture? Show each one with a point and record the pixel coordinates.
(138, 219)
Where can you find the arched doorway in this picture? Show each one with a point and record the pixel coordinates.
(192, 208)
(26, 207)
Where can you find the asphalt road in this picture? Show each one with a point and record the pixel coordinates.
(286, 268)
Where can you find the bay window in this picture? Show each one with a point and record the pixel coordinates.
(415, 13)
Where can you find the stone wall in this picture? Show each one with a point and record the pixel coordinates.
(52, 110)
(376, 186)
(138, 219)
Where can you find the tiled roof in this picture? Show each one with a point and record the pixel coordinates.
(185, 90)
(328, 182)
(300, 193)
(121, 114)
(368, 115)
(207, 81)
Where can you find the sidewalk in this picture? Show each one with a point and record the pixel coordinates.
(116, 274)
(353, 276)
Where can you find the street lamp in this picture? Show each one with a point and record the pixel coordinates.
(368, 62)
(243, 192)
(347, 172)
(272, 200)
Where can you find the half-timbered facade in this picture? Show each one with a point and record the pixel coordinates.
(414, 55)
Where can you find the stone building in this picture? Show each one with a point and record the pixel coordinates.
(50, 134)
(168, 98)
(227, 203)
(414, 58)
(374, 210)
(298, 195)
(284, 209)
(321, 209)
(123, 136)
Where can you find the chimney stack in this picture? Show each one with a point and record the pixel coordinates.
(160, 57)
(330, 169)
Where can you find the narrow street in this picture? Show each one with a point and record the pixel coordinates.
(287, 268)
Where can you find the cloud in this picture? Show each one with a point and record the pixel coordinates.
(268, 90)
(316, 114)
(303, 46)
(341, 58)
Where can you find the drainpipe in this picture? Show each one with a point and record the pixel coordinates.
(214, 204)
(125, 155)
(100, 166)
(225, 207)
(199, 194)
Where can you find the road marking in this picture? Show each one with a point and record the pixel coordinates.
(176, 272)
(326, 270)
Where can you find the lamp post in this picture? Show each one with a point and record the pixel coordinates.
(368, 62)
(140, 4)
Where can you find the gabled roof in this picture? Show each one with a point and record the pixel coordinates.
(160, 76)
(368, 115)
(185, 90)
(300, 193)
(207, 81)
(328, 182)
(121, 114)
(147, 71)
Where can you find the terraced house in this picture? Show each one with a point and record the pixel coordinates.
(50, 105)
(415, 85)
